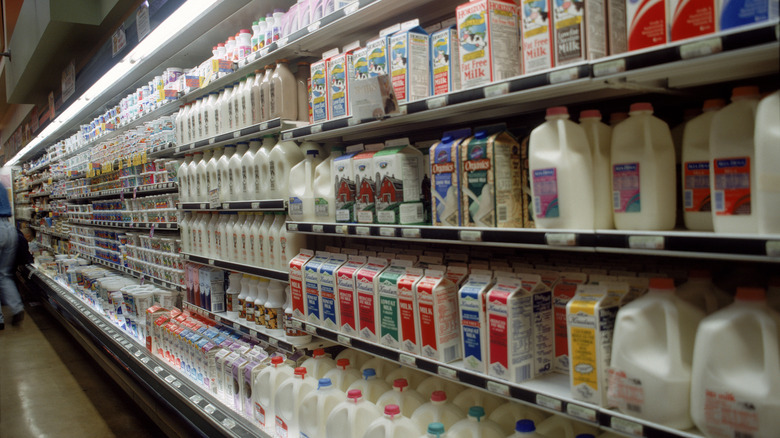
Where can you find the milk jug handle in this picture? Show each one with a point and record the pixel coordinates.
(673, 336)
(771, 349)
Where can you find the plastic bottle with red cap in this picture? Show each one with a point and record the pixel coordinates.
(344, 374)
(351, 417)
(700, 291)
(600, 140)
(392, 425)
(319, 363)
(316, 407)
(288, 399)
(438, 409)
(652, 349)
(265, 388)
(402, 395)
(371, 386)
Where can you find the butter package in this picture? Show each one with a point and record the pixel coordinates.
(438, 319)
(410, 67)
(398, 197)
(445, 178)
(580, 30)
(340, 76)
(365, 186)
(445, 61)
(319, 91)
(537, 35)
(491, 179)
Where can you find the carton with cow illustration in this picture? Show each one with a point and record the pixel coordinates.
(580, 30)
(410, 67)
(340, 76)
(399, 171)
(488, 35)
(537, 35)
(445, 61)
(365, 184)
(319, 91)
(344, 178)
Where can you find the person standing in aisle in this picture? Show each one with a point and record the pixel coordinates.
(9, 295)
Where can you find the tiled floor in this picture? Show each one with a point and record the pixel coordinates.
(50, 387)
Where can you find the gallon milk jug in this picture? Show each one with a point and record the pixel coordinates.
(183, 176)
(318, 364)
(356, 358)
(316, 408)
(324, 189)
(200, 176)
(643, 172)
(600, 141)
(213, 177)
(382, 367)
(265, 387)
(438, 410)
(282, 158)
(301, 184)
(476, 425)
(343, 375)
(408, 399)
(702, 293)
(735, 388)
(697, 203)
(508, 415)
(412, 376)
(767, 138)
(732, 164)
(351, 418)
(561, 171)
(288, 398)
(652, 351)
(436, 383)
(370, 385)
(475, 397)
(525, 429)
(392, 425)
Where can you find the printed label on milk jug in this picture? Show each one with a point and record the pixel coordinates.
(625, 392)
(697, 186)
(730, 415)
(625, 188)
(732, 186)
(546, 192)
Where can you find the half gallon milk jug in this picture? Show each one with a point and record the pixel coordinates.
(392, 425)
(370, 385)
(508, 415)
(343, 375)
(600, 140)
(652, 349)
(301, 183)
(266, 387)
(732, 165)
(702, 293)
(223, 170)
(288, 398)
(318, 364)
(351, 418)
(262, 167)
(476, 425)
(525, 429)
(561, 171)
(248, 171)
(316, 408)
(414, 377)
(324, 189)
(643, 172)
(697, 204)
(735, 388)
(408, 399)
(282, 158)
(236, 175)
(767, 137)
(437, 410)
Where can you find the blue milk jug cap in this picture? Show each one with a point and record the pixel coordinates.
(324, 383)
(436, 429)
(476, 412)
(525, 426)
(369, 372)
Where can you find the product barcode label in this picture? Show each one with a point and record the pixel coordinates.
(503, 213)
(720, 204)
(344, 339)
(447, 372)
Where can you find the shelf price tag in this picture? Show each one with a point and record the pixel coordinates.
(352, 8)
(236, 326)
(317, 228)
(565, 75)
(447, 373)
(292, 227)
(609, 67)
(410, 233)
(437, 102)
(407, 360)
(170, 378)
(313, 27)
(342, 339)
(387, 232)
(316, 129)
(773, 248)
(581, 412)
(253, 333)
(158, 369)
(254, 205)
(273, 341)
(496, 90)
(646, 242)
(264, 126)
(287, 135)
(701, 48)
(363, 231)
(195, 399)
(561, 239)
(498, 388)
(228, 423)
(297, 325)
(549, 402)
(626, 426)
(470, 235)
(209, 408)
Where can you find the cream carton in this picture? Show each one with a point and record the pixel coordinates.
(410, 64)
(617, 28)
(490, 179)
(691, 18)
(488, 34)
(445, 178)
(408, 310)
(563, 292)
(347, 294)
(646, 24)
(311, 281)
(438, 319)
(237, 382)
(590, 316)
(473, 318)
(319, 91)
(344, 180)
(389, 313)
(297, 290)
(365, 186)
(340, 76)
(580, 30)
(537, 36)
(328, 289)
(366, 285)
(398, 196)
(445, 61)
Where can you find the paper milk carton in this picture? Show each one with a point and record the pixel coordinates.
(473, 318)
(445, 178)
(736, 13)
(536, 27)
(491, 179)
(347, 294)
(365, 185)
(563, 292)
(344, 180)
(590, 316)
(487, 29)
(399, 171)
(437, 303)
(691, 18)
(328, 289)
(311, 281)
(445, 61)
(319, 91)
(408, 311)
(368, 301)
(389, 313)
(580, 30)
(617, 28)
(340, 76)
(410, 64)
(297, 289)
(646, 22)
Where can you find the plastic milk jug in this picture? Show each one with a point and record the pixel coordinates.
(732, 164)
(289, 396)
(476, 425)
(392, 425)
(643, 172)
(224, 172)
(524, 429)
(301, 200)
(702, 293)
(382, 367)
(265, 388)
(412, 376)
(282, 158)
(438, 409)
(600, 141)
(436, 383)
(319, 364)
(509, 414)
(435, 430)
(316, 408)
(650, 370)
(323, 187)
(474, 397)
(697, 202)
(408, 399)
(183, 175)
(767, 137)
(561, 169)
(356, 358)
(262, 167)
(236, 177)
(248, 171)
(370, 385)
(343, 375)
(351, 418)
(735, 385)
(201, 176)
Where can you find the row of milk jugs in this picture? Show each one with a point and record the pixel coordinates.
(249, 238)
(356, 396)
(266, 94)
(588, 175)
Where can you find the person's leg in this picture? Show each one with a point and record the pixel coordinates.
(8, 291)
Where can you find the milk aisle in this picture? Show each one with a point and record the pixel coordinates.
(767, 137)
(351, 418)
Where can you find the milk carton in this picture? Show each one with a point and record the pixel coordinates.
(487, 30)
(617, 30)
(688, 19)
(347, 294)
(580, 30)
(398, 196)
(363, 168)
(491, 179)
(344, 180)
(736, 13)
(311, 281)
(389, 313)
(408, 310)
(646, 23)
(536, 28)
(445, 178)
(437, 303)
(340, 76)
(410, 64)
(473, 318)
(212, 286)
(368, 301)
(563, 292)
(590, 316)
(319, 91)
(297, 290)
(445, 61)
(328, 288)
(375, 57)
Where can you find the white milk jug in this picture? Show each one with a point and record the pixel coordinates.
(732, 164)
(697, 201)
(525, 429)
(236, 175)
(437, 410)
(316, 408)
(318, 364)
(643, 172)
(382, 367)
(183, 176)
(301, 184)
(436, 383)
(248, 171)
(476, 425)
(408, 399)
(265, 387)
(263, 167)
(200, 176)
(370, 385)
(508, 414)
(324, 189)
(343, 375)
(392, 425)
(475, 397)
(282, 158)
(652, 350)
(351, 418)
(561, 171)
(767, 138)
(702, 293)
(435, 430)
(356, 358)
(288, 398)
(600, 141)
(414, 377)
(213, 177)
(223, 170)
(735, 388)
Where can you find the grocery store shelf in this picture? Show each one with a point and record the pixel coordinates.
(692, 244)
(147, 189)
(49, 231)
(133, 272)
(38, 167)
(265, 205)
(40, 195)
(132, 225)
(273, 274)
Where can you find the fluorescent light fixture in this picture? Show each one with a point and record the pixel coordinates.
(160, 36)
